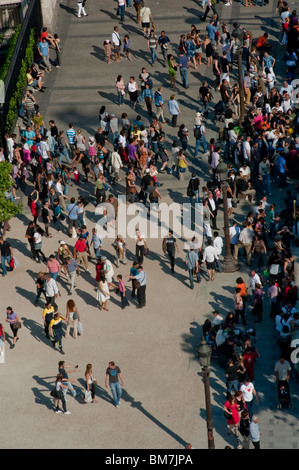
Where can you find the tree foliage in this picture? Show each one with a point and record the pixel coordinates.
(8, 208)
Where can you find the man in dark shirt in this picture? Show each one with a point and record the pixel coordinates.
(6, 254)
(29, 235)
(163, 43)
(169, 246)
(231, 374)
(65, 378)
(224, 63)
(145, 182)
(100, 137)
(206, 97)
(53, 129)
(224, 92)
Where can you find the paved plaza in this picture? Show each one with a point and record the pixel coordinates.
(163, 403)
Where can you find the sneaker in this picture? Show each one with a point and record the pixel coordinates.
(57, 411)
(67, 413)
(61, 351)
(87, 270)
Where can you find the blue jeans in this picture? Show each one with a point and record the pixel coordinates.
(3, 260)
(129, 3)
(266, 183)
(65, 154)
(54, 275)
(196, 194)
(120, 98)
(116, 391)
(184, 76)
(73, 391)
(202, 141)
(121, 9)
(232, 385)
(154, 54)
(191, 277)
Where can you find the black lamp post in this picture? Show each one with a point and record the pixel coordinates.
(204, 353)
(229, 264)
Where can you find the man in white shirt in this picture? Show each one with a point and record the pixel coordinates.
(210, 257)
(145, 20)
(51, 290)
(246, 238)
(246, 149)
(217, 318)
(44, 149)
(116, 43)
(218, 245)
(254, 279)
(282, 370)
(215, 159)
(245, 171)
(286, 87)
(248, 391)
(9, 146)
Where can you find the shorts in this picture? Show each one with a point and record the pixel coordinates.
(211, 265)
(182, 170)
(146, 25)
(164, 157)
(229, 203)
(117, 49)
(72, 223)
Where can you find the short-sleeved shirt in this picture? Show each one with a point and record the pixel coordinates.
(5, 248)
(44, 48)
(282, 369)
(113, 374)
(72, 211)
(48, 314)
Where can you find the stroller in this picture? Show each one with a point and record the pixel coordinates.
(284, 396)
(219, 109)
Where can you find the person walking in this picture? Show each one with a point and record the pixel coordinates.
(72, 269)
(90, 382)
(64, 370)
(248, 390)
(72, 318)
(193, 267)
(174, 110)
(51, 290)
(81, 8)
(193, 188)
(140, 246)
(6, 254)
(55, 330)
(152, 44)
(59, 387)
(254, 431)
(114, 380)
(184, 64)
(47, 316)
(80, 253)
(244, 429)
(210, 257)
(146, 19)
(14, 323)
(169, 246)
(159, 103)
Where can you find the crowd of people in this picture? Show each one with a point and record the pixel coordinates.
(261, 150)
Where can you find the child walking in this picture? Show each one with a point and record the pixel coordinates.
(108, 50)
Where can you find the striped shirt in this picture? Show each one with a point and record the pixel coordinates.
(71, 135)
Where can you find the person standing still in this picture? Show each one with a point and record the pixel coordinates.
(254, 431)
(115, 381)
(140, 245)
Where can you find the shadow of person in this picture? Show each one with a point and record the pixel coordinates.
(72, 11)
(46, 384)
(138, 405)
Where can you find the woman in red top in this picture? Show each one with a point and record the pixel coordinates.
(32, 203)
(231, 406)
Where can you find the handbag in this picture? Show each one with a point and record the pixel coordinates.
(80, 328)
(37, 246)
(136, 284)
(17, 325)
(12, 263)
(56, 394)
(227, 415)
(87, 397)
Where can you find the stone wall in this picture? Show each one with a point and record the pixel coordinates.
(49, 12)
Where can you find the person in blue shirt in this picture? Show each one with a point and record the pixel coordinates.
(282, 170)
(43, 49)
(163, 43)
(211, 30)
(29, 136)
(184, 63)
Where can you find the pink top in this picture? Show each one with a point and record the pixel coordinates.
(53, 266)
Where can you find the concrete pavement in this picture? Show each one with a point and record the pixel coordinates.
(163, 401)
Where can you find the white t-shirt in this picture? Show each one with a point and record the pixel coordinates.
(234, 233)
(145, 14)
(282, 369)
(247, 391)
(37, 237)
(218, 245)
(246, 149)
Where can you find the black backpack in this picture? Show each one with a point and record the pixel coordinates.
(197, 132)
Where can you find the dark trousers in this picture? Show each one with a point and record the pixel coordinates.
(256, 445)
(124, 300)
(207, 12)
(242, 313)
(141, 296)
(171, 257)
(140, 253)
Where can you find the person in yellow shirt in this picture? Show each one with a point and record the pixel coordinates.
(34, 83)
(48, 315)
(55, 330)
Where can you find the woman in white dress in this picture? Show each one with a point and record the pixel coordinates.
(103, 293)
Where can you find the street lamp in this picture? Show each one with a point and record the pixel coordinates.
(241, 85)
(204, 353)
(229, 264)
